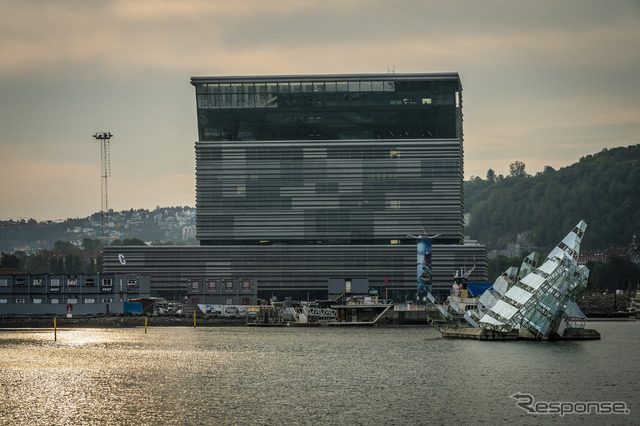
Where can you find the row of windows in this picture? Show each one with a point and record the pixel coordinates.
(57, 301)
(299, 87)
(71, 282)
(212, 285)
(270, 100)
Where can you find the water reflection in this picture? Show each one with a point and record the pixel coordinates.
(385, 375)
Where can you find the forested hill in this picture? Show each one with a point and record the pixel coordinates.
(602, 189)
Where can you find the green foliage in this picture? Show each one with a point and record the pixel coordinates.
(91, 244)
(618, 273)
(500, 264)
(9, 261)
(602, 189)
(128, 242)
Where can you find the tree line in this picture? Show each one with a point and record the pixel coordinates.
(64, 258)
(601, 189)
(617, 273)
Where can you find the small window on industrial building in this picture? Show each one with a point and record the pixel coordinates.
(37, 282)
(246, 301)
(195, 285)
(131, 283)
(72, 282)
(55, 282)
(19, 282)
(54, 301)
(426, 101)
(228, 301)
(19, 300)
(106, 282)
(212, 285)
(246, 284)
(72, 301)
(394, 204)
(107, 300)
(4, 283)
(393, 154)
(228, 284)
(89, 282)
(37, 300)
(3, 300)
(89, 300)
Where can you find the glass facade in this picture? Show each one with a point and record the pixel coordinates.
(384, 107)
(328, 159)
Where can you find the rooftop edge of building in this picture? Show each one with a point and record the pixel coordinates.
(324, 77)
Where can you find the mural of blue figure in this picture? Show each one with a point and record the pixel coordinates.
(424, 268)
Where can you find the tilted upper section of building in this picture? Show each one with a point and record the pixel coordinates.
(365, 106)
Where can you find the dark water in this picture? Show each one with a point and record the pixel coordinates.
(359, 376)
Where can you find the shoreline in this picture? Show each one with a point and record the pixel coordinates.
(131, 321)
(114, 321)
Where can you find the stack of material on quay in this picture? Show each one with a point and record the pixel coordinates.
(531, 302)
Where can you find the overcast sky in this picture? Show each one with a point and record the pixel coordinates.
(544, 82)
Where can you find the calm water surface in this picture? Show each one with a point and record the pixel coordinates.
(359, 376)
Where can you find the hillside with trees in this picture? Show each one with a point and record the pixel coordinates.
(601, 189)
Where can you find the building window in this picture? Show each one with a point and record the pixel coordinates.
(55, 282)
(19, 300)
(106, 282)
(72, 282)
(37, 282)
(131, 283)
(89, 282)
(228, 285)
(246, 301)
(89, 300)
(54, 301)
(107, 300)
(195, 285)
(72, 301)
(3, 300)
(212, 285)
(37, 300)
(4, 283)
(19, 282)
(246, 284)
(228, 301)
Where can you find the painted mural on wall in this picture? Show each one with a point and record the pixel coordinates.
(424, 267)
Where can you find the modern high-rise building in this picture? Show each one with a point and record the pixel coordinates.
(305, 184)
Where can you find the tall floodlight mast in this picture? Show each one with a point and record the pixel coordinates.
(105, 172)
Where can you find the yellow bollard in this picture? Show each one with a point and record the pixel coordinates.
(194, 319)
(55, 330)
(145, 325)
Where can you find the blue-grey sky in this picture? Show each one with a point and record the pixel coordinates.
(544, 82)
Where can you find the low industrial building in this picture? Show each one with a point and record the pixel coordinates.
(57, 294)
(207, 291)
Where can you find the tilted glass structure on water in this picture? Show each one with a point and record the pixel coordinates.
(538, 301)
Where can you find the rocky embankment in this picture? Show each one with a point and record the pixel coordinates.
(106, 321)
